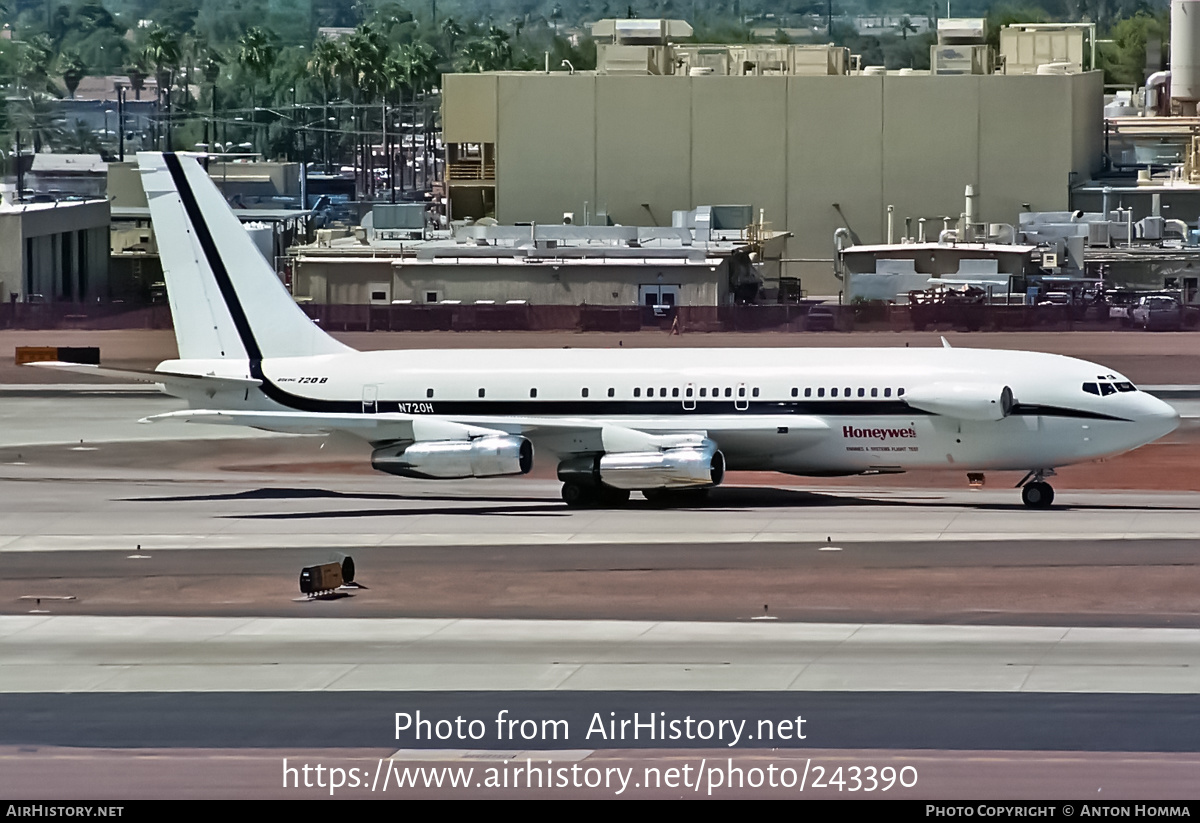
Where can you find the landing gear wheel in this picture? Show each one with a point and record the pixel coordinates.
(576, 496)
(1037, 495)
(579, 497)
(675, 497)
(615, 498)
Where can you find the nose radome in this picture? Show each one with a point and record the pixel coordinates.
(1161, 416)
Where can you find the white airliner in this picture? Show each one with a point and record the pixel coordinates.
(667, 423)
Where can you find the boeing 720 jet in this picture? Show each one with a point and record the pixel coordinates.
(667, 424)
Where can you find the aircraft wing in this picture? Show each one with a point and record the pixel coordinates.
(561, 436)
(376, 428)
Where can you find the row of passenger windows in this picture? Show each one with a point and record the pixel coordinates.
(849, 392)
(717, 391)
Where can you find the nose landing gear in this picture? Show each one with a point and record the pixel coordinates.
(1036, 493)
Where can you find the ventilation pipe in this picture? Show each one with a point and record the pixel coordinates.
(891, 236)
(1160, 82)
(1104, 201)
(971, 216)
(907, 229)
(921, 230)
(1156, 204)
(841, 241)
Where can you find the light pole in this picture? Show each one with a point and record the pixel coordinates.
(120, 89)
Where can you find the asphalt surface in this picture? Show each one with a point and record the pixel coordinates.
(224, 525)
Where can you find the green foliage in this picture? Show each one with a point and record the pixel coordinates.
(79, 140)
(257, 52)
(92, 32)
(38, 119)
(73, 70)
(1124, 59)
(1002, 15)
(162, 52)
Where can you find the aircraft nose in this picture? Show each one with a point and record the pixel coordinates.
(1159, 417)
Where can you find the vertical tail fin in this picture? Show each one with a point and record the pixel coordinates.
(226, 302)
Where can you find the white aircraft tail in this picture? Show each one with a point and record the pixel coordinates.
(226, 302)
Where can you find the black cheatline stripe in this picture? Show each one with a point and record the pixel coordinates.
(655, 408)
(209, 247)
(1035, 410)
(234, 305)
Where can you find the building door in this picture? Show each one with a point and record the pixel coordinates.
(658, 296)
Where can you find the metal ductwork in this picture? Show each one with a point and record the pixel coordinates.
(964, 401)
(492, 456)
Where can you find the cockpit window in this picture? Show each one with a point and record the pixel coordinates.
(1107, 386)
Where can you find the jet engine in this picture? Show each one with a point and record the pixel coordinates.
(688, 465)
(965, 401)
(491, 456)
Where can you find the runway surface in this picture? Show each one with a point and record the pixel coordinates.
(147, 654)
(1004, 652)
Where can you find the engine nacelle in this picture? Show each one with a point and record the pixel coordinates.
(492, 456)
(685, 466)
(965, 401)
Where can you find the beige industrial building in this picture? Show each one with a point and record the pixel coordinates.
(814, 144)
(54, 252)
(539, 265)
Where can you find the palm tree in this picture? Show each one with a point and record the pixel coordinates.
(497, 40)
(33, 66)
(367, 51)
(163, 53)
(80, 140)
(37, 116)
(73, 70)
(326, 62)
(452, 32)
(905, 26)
(136, 72)
(256, 55)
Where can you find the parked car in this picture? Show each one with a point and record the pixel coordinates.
(1163, 312)
(1120, 302)
(821, 318)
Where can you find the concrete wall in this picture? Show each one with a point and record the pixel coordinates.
(793, 146)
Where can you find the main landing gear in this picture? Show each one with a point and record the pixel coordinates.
(1036, 493)
(600, 497)
(579, 496)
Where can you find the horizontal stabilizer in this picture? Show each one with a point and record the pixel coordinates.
(145, 376)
